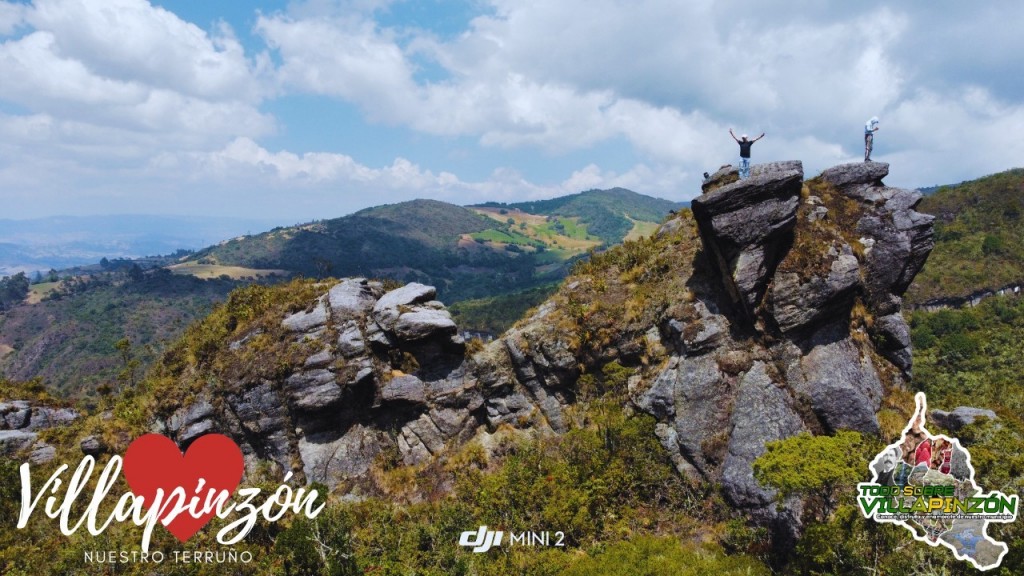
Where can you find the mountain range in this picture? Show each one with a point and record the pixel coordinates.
(709, 395)
(466, 252)
(491, 262)
(59, 242)
(67, 335)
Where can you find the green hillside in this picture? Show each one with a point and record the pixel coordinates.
(499, 261)
(979, 237)
(69, 339)
(466, 252)
(412, 241)
(608, 214)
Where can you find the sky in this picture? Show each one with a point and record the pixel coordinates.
(313, 109)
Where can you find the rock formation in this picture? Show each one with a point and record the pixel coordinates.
(790, 322)
(793, 265)
(20, 423)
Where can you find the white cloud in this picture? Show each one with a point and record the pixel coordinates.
(243, 158)
(119, 92)
(133, 39)
(11, 16)
(945, 138)
(123, 74)
(344, 57)
(567, 76)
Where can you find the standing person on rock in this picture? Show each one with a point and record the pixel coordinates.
(745, 145)
(870, 127)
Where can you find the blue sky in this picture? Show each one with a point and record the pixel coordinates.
(314, 109)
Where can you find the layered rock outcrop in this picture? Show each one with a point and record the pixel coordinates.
(812, 275)
(384, 372)
(379, 370)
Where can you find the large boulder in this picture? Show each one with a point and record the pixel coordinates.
(897, 238)
(361, 364)
(960, 416)
(25, 415)
(841, 383)
(763, 412)
(15, 441)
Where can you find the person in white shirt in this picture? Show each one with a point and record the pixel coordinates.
(869, 137)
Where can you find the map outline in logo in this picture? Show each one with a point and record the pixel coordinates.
(961, 531)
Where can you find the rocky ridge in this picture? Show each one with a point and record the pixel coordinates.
(789, 321)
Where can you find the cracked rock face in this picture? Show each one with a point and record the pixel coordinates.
(781, 353)
(744, 225)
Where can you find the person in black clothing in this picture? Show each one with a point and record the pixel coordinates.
(745, 145)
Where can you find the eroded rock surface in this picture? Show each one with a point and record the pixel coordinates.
(385, 370)
(772, 345)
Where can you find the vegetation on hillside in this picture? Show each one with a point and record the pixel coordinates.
(496, 314)
(972, 356)
(607, 213)
(415, 241)
(69, 340)
(607, 483)
(979, 237)
(465, 254)
(968, 357)
(607, 486)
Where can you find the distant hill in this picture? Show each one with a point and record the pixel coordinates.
(420, 241)
(499, 260)
(609, 214)
(69, 338)
(979, 237)
(467, 252)
(66, 241)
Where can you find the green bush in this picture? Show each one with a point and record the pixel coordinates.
(663, 556)
(825, 467)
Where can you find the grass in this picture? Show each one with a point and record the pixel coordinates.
(504, 237)
(209, 271)
(567, 232)
(39, 291)
(641, 229)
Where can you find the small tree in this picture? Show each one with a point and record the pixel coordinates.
(130, 365)
(135, 273)
(13, 290)
(824, 467)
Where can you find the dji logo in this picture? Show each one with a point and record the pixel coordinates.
(481, 540)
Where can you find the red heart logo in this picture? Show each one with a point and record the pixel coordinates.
(154, 462)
